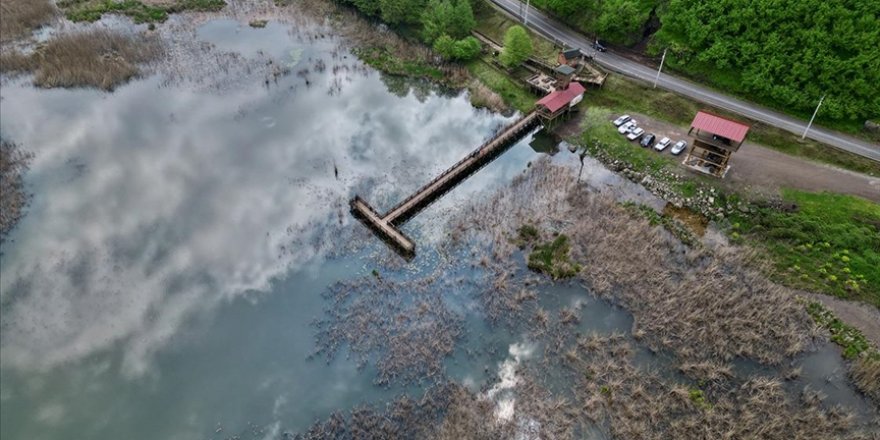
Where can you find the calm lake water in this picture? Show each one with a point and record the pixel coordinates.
(164, 280)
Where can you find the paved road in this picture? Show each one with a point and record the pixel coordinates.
(542, 24)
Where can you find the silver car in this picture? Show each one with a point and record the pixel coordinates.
(635, 133)
(627, 127)
(622, 120)
(662, 144)
(679, 147)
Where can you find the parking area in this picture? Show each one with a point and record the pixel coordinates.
(764, 171)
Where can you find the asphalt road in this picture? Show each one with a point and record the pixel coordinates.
(554, 30)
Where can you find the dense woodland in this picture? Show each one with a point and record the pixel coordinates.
(786, 53)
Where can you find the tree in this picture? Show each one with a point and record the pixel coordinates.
(400, 11)
(464, 49)
(517, 46)
(621, 21)
(437, 19)
(462, 19)
(443, 17)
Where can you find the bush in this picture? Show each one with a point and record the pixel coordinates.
(465, 49)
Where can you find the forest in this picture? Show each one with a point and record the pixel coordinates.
(786, 54)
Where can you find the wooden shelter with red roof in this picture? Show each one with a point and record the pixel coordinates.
(715, 140)
(559, 102)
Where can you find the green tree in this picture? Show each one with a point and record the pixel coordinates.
(517, 46)
(437, 19)
(464, 49)
(400, 11)
(463, 19)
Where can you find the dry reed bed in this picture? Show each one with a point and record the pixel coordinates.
(632, 403)
(865, 372)
(405, 326)
(700, 303)
(449, 411)
(13, 199)
(98, 58)
(18, 18)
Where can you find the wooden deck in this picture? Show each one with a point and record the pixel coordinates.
(386, 225)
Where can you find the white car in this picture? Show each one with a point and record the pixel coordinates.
(662, 144)
(679, 147)
(635, 133)
(627, 127)
(622, 120)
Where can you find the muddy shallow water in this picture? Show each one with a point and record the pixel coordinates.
(164, 281)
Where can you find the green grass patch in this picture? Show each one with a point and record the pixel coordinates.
(382, 59)
(552, 258)
(494, 24)
(849, 338)
(601, 137)
(513, 93)
(828, 243)
(93, 10)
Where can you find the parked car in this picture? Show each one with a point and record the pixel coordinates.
(679, 147)
(663, 144)
(635, 133)
(648, 140)
(622, 120)
(599, 46)
(629, 125)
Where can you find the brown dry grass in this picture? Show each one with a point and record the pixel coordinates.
(19, 17)
(97, 58)
(865, 373)
(700, 303)
(633, 403)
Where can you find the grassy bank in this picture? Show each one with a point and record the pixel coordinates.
(97, 58)
(511, 91)
(824, 242)
(20, 17)
(93, 10)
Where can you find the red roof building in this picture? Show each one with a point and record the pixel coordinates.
(715, 140)
(732, 130)
(556, 101)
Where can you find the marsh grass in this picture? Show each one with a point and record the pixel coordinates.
(19, 18)
(552, 258)
(97, 58)
(633, 403)
(699, 303)
(13, 198)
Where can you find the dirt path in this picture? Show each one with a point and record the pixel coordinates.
(762, 170)
(862, 316)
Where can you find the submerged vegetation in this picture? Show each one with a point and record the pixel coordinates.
(13, 163)
(95, 58)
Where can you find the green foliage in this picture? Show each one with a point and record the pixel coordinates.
(383, 60)
(698, 398)
(517, 46)
(789, 52)
(446, 17)
(850, 338)
(621, 21)
(450, 49)
(400, 11)
(829, 243)
(552, 258)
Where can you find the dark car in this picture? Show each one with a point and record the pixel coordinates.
(648, 140)
(599, 46)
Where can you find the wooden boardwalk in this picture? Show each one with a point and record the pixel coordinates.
(386, 225)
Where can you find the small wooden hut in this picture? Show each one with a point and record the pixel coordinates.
(715, 139)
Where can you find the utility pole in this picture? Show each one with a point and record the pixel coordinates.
(526, 15)
(814, 117)
(661, 67)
